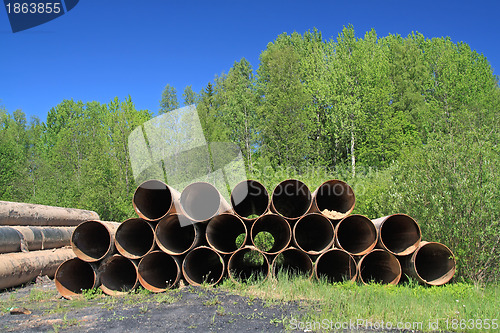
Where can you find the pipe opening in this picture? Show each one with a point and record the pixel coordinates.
(291, 198)
(223, 231)
(313, 233)
(336, 266)
(73, 276)
(435, 263)
(118, 274)
(200, 201)
(271, 234)
(400, 234)
(173, 238)
(152, 199)
(336, 197)
(292, 262)
(134, 238)
(356, 234)
(241, 240)
(249, 199)
(203, 265)
(248, 264)
(158, 271)
(379, 266)
(91, 241)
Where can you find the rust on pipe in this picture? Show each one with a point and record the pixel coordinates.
(398, 233)
(379, 266)
(201, 201)
(135, 238)
(291, 199)
(174, 238)
(23, 239)
(158, 271)
(75, 275)
(203, 265)
(432, 263)
(249, 198)
(94, 240)
(154, 199)
(222, 232)
(313, 233)
(248, 263)
(336, 265)
(279, 229)
(19, 268)
(15, 213)
(294, 262)
(118, 275)
(334, 198)
(356, 234)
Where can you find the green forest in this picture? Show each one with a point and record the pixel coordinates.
(411, 123)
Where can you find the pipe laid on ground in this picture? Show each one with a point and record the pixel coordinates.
(279, 229)
(398, 233)
(356, 234)
(174, 238)
(158, 271)
(22, 239)
(222, 232)
(379, 266)
(15, 213)
(249, 198)
(432, 263)
(154, 199)
(313, 233)
(75, 275)
(248, 263)
(94, 240)
(201, 201)
(135, 238)
(334, 198)
(19, 268)
(336, 265)
(294, 262)
(203, 265)
(291, 199)
(118, 275)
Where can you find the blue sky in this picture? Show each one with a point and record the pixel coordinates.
(107, 48)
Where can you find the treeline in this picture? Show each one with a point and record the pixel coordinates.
(412, 123)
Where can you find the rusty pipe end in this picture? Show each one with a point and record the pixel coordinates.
(313, 233)
(135, 238)
(292, 261)
(379, 266)
(203, 265)
(356, 234)
(274, 226)
(398, 233)
(118, 275)
(223, 231)
(247, 264)
(433, 263)
(336, 265)
(201, 201)
(291, 199)
(75, 275)
(158, 271)
(93, 240)
(176, 234)
(249, 200)
(335, 199)
(154, 199)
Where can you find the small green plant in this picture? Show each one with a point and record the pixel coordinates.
(212, 301)
(90, 294)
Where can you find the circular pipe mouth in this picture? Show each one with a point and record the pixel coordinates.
(222, 233)
(335, 199)
(379, 266)
(292, 262)
(158, 271)
(152, 200)
(434, 263)
(135, 238)
(73, 276)
(400, 234)
(336, 265)
(200, 201)
(249, 199)
(91, 241)
(248, 264)
(176, 234)
(277, 230)
(291, 199)
(356, 234)
(313, 233)
(118, 275)
(203, 265)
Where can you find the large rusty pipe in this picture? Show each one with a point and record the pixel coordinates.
(356, 234)
(398, 233)
(175, 237)
(432, 263)
(291, 199)
(248, 263)
(336, 265)
(379, 266)
(313, 233)
(15, 213)
(222, 232)
(203, 265)
(118, 275)
(158, 271)
(292, 261)
(334, 198)
(279, 229)
(75, 275)
(19, 268)
(201, 201)
(94, 240)
(249, 200)
(154, 199)
(22, 238)
(135, 238)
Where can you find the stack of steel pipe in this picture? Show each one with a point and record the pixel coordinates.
(198, 237)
